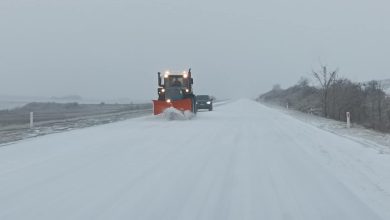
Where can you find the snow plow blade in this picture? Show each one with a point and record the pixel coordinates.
(182, 105)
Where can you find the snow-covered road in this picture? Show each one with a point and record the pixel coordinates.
(241, 161)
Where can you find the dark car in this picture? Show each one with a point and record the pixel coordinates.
(204, 102)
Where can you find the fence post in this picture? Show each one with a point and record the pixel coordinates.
(31, 119)
(348, 120)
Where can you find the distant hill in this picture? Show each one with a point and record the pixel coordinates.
(67, 98)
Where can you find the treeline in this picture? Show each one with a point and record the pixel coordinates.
(367, 102)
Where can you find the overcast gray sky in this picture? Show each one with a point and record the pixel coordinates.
(113, 48)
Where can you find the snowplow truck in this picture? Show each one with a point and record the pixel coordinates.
(175, 90)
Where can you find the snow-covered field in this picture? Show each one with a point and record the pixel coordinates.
(241, 161)
(11, 102)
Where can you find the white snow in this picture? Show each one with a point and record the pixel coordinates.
(367, 137)
(175, 114)
(385, 85)
(387, 91)
(241, 161)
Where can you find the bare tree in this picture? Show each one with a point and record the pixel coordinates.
(376, 102)
(303, 82)
(325, 79)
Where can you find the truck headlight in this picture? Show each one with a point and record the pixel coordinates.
(168, 100)
(166, 74)
(208, 102)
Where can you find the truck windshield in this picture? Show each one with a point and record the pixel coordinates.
(175, 81)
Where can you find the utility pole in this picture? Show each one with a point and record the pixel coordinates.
(348, 120)
(31, 120)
